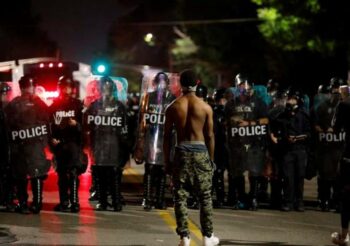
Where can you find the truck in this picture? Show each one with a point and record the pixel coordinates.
(47, 71)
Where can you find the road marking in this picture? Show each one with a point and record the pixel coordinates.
(165, 215)
(171, 222)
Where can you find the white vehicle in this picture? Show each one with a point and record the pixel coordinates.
(47, 71)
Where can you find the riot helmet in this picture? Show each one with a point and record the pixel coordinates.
(66, 85)
(294, 100)
(324, 89)
(202, 91)
(26, 81)
(4, 88)
(219, 94)
(336, 82)
(27, 84)
(334, 85)
(108, 87)
(243, 85)
(272, 86)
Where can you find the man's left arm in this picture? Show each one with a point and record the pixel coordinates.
(209, 133)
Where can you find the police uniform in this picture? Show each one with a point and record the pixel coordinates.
(6, 181)
(342, 122)
(294, 158)
(69, 158)
(246, 144)
(154, 167)
(106, 123)
(28, 125)
(327, 151)
(276, 155)
(220, 154)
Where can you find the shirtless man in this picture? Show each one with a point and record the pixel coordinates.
(194, 155)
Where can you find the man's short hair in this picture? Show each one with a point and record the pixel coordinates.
(188, 78)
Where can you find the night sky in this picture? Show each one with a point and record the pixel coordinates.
(80, 28)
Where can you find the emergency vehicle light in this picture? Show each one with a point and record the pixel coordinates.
(51, 94)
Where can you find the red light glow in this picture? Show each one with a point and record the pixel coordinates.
(51, 65)
(51, 94)
(60, 64)
(41, 65)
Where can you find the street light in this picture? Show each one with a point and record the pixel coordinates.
(149, 39)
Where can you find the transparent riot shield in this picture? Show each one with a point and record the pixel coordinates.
(93, 90)
(105, 121)
(158, 90)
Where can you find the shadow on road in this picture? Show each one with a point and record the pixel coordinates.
(6, 236)
(256, 243)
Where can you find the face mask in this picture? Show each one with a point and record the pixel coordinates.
(291, 107)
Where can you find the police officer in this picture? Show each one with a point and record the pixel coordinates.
(157, 101)
(328, 146)
(66, 144)
(247, 122)
(6, 181)
(220, 151)
(291, 132)
(106, 126)
(28, 124)
(342, 123)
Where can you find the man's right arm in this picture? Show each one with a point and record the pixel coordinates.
(168, 125)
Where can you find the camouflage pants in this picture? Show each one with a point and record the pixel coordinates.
(193, 171)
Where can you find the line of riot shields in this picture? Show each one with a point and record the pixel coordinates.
(264, 136)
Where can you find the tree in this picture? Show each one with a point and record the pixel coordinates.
(313, 33)
(225, 49)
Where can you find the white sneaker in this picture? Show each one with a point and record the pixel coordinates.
(336, 239)
(185, 241)
(211, 241)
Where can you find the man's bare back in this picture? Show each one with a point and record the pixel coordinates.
(193, 120)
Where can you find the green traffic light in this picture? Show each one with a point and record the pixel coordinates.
(101, 68)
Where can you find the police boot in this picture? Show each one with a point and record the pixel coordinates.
(74, 195)
(22, 206)
(120, 175)
(37, 189)
(231, 195)
(101, 190)
(276, 193)
(116, 194)
(160, 203)
(263, 184)
(9, 195)
(239, 184)
(147, 202)
(254, 186)
(324, 188)
(219, 189)
(299, 204)
(63, 206)
(93, 190)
